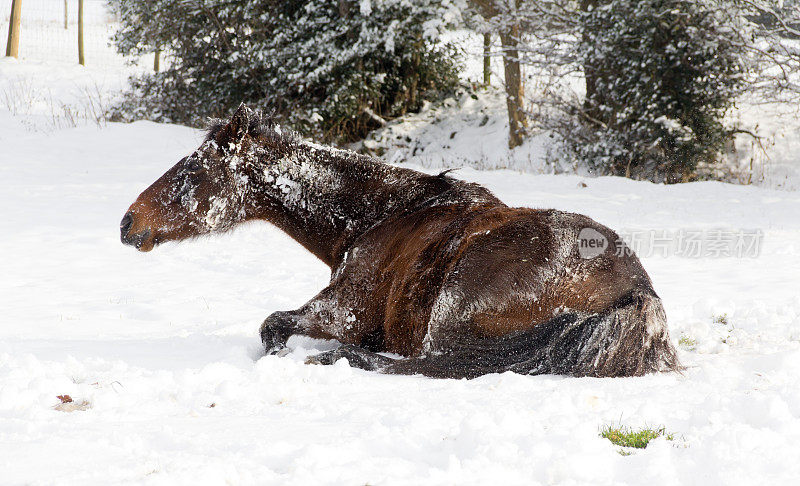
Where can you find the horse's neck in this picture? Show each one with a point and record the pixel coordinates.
(325, 198)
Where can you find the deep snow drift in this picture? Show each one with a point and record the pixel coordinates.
(164, 346)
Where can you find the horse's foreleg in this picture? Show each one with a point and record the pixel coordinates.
(358, 357)
(277, 328)
(326, 316)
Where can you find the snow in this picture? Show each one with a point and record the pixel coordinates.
(464, 132)
(164, 349)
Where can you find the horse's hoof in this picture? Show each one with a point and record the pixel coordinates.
(275, 331)
(325, 358)
(357, 358)
(276, 350)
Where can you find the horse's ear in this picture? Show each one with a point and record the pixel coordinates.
(237, 127)
(240, 122)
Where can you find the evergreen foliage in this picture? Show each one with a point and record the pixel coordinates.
(660, 76)
(329, 69)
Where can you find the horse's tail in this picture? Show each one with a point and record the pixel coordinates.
(630, 339)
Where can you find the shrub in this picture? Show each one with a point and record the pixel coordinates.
(331, 69)
(660, 76)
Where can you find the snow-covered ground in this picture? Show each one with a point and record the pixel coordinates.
(161, 355)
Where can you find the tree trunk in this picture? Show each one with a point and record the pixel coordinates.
(517, 122)
(12, 45)
(66, 15)
(509, 37)
(487, 60)
(590, 103)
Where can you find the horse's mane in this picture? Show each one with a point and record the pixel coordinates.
(261, 125)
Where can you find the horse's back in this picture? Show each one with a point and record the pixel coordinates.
(519, 267)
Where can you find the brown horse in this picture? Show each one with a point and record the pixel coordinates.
(428, 267)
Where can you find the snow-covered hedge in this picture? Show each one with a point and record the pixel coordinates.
(331, 69)
(660, 76)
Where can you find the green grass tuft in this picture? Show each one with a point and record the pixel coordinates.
(625, 437)
(687, 341)
(721, 319)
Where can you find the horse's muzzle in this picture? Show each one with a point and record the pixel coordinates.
(136, 239)
(125, 224)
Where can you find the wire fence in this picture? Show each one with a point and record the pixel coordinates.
(49, 31)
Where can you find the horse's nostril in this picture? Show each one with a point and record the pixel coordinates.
(125, 224)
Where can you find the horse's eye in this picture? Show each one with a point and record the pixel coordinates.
(194, 165)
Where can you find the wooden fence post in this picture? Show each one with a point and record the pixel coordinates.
(157, 60)
(12, 46)
(81, 60)
(66, 15)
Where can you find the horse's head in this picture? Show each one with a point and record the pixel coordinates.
(203, 192)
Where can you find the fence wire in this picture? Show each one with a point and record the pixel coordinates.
(45, 36)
